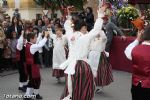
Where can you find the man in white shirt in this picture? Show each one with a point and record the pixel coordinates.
(140, 56)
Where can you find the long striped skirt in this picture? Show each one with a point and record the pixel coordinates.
(104, 72)
(82, 83)
(58, 73)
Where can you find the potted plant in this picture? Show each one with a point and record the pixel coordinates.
(125, 15)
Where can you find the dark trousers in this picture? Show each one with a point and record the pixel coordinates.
(7, 62)
(14, 63)
(109, 42)
(22, 73)
(1, 58)
(33, 82)
(139, 93)
(48, 55)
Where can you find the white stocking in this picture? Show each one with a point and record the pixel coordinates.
(69, 88)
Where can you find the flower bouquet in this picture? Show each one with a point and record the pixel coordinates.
(125, 15)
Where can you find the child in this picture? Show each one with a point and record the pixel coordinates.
(7, 55)
(100, 67)
(20, 57)
(32, 61)
(13, 44)
(59, 55)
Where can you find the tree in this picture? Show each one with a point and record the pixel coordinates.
(60, 4)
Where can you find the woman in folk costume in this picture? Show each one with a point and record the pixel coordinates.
(80, 81)
(59, 52)
(100, 66)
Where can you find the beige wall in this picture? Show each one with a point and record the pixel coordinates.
(30, 13)
(27, 14)
(23, 4)
(28, 9)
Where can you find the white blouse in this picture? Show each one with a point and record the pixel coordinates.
(80, 48)
(36, 47)
(128, 50)
(99, 44)
(57, 40)
(20, 42)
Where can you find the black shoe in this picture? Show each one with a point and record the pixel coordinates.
(23, 89)
(38, 97)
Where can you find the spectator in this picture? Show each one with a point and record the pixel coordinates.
(39, 24)
(57, 25)
(5, 28)
(47, 24)
(2, 40)
(7, 18)
(110, 28)
(21, 24)
(89, 18)
(48, 48)
(15, 27)
(33, 22)
(17, 14)
(28, 26)
(13, 44)
(53, 22)
(7, 55)
(44, 18)
(36, 30)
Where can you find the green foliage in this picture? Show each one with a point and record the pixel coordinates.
(125, 15)
(39, 2)
(56, 4)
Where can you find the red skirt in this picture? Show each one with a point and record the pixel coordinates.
(58, 73)
(82, 83)
(104, 72)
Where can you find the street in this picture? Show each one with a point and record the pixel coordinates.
(51, 90)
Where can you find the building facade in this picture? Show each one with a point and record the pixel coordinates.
(27, 8)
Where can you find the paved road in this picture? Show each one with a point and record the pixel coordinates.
(51, 90)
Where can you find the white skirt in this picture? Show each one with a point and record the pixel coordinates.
(94, 57)
(59, 56)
